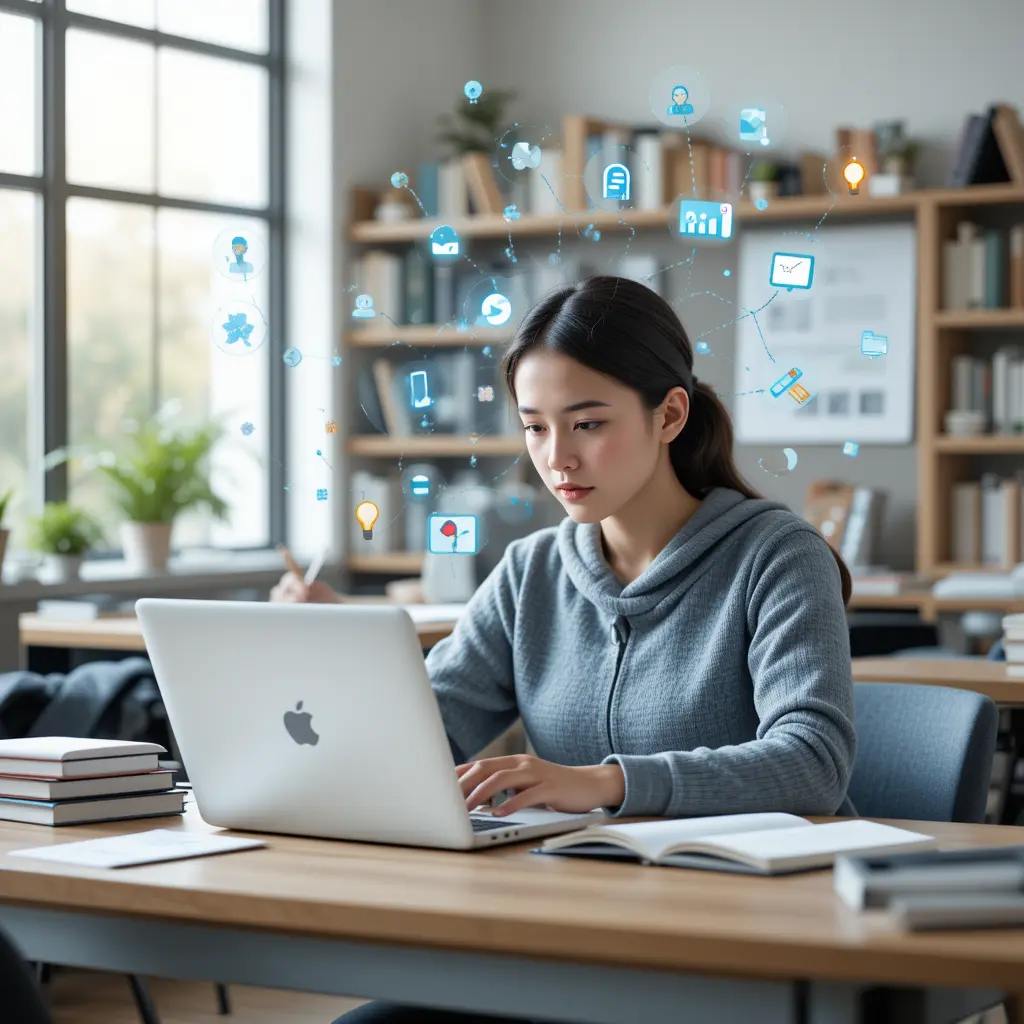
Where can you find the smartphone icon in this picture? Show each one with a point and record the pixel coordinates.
(419, 388)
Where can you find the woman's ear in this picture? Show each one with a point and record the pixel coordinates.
(675, 411)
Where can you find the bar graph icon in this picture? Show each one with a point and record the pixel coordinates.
(698, 219)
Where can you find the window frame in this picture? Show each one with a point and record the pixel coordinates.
(48, 401)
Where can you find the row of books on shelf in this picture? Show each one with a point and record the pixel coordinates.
(987, 395)
(986, 526)
(62, 780)
(983, 268)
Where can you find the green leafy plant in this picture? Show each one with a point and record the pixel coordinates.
(764, 170)
(474, 127)
(63, 529)
(5, 500)
(163, 472)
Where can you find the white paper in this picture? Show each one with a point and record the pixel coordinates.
(434, 612)
(864, 280)
(159, 844)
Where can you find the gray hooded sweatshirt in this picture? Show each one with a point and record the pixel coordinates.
(719, 680)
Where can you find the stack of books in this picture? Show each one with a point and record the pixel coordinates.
(66, 780)
(1013, 644)
(919, 891)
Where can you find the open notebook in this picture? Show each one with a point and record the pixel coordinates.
(757, 844)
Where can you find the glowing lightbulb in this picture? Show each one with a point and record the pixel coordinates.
(366, 515)
(853, 172)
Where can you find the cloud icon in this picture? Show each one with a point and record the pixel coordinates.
(524, 155)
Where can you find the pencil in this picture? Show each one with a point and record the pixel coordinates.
(293, 566)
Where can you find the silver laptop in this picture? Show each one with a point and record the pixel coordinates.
(317, 720)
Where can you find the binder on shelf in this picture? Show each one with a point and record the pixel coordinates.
(483, 188)
(979, 160)
(1010, 137)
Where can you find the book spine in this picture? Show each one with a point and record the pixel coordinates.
(992, 526)
(995, 270)
(976, 273)
(545, 183)
(966, 525)
(427, 187)
(961, 383)
(649, 178)
(1011, 522)
(1017, 266)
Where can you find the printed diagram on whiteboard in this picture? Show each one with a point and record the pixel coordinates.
(834, 332)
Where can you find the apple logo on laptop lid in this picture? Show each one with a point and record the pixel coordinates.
(299, 726)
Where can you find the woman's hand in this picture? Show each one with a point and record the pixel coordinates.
(291, 590)
(541, 783)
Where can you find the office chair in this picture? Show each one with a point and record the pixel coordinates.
(923, 752)
(22, 1000)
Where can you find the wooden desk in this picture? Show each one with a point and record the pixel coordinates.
(980, 675)
(125, 634)
(536, 936)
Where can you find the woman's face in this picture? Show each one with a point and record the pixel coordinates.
(585, 430)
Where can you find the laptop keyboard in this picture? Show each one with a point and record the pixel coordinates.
(486, 824)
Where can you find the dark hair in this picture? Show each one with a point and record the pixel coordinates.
(627, 332)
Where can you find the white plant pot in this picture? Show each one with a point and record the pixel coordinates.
(61, 568)
(762, 190)
(147, 546)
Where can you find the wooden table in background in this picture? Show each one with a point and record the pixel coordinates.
(978, 674)
(123, 633)
(503, 930)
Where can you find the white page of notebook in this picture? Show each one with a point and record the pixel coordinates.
(158, 844)
(434, 612)
(657, 836)
(832, 837)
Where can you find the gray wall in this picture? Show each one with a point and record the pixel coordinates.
(400, 64)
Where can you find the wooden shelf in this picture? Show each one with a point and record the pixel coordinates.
(391, 562)
(539, 225)
(978, 319)
(789, 208)
(427, 335)
(945, 568)
(982, 444)
(438, 445)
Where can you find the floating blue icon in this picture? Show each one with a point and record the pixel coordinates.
(239, 246)
(291, 357)
(753, 126)
(873, 345)
(615, 182)
(785, 382)
(524, 156)
(702, 347)
(444, 242)
(321, 494)
(452, 535)
(792, 270)
(700, 219)
(247, 429)
(420, 486)
(364, 308)
(851, 448)
(400, 179)
(680, 102)
(511, 213)
(762, 203)
(419, 389)
(237, 328)
(473, 90)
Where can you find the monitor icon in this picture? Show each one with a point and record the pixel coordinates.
(615, 182)
(699, 219)
(420, 389)
(792, 270)
(452, 535)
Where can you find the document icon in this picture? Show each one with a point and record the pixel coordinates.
(873, 345)
(752, 125)
(452, 535)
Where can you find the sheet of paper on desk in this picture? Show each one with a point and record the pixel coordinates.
(158, 844)
(422, 613)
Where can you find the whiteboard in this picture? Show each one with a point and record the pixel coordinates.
(863, 284)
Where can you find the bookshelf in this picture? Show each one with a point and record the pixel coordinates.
(942, 460)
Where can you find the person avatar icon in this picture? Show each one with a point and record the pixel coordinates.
(680, 101)
(364, 308)
(239, 246)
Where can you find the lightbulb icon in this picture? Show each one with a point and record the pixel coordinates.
(472, 89)
(853, 172)
(366, 515)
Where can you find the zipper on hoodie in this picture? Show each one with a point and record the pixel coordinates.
(620, 637)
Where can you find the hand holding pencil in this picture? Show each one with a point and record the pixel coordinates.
(293, 587)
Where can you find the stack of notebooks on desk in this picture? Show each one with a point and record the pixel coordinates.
(937, 889)
(752, 844)
(1013, 644)
(64, 780)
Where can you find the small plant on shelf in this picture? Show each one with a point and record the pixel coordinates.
(64, 533)
(764, 180)
(474, 126)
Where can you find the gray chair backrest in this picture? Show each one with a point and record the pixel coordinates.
(20, 998)
(923, 752)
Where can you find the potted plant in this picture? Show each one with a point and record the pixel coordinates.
(5, 500)
(162, 473)
(63, 533)
(764, 181)
(474, 126)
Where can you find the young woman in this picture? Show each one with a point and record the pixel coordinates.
(677, 645)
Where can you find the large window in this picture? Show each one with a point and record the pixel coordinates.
(136, 136)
